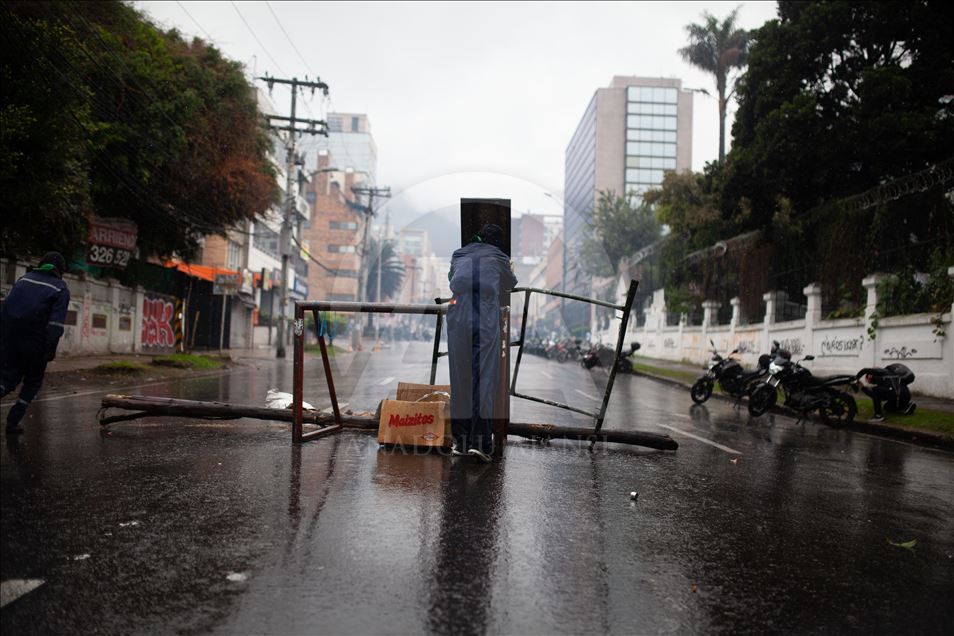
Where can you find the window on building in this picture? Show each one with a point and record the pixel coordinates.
(344, 273)
(264, 239)
(234, 258)
(71, 318)
(354, 124)
(125, 323)
(335, 124)
(343, 225)
(344, 297)
(100, 321)
(341, 249)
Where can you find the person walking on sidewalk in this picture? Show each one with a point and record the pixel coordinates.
(480, 271)
(32, 315)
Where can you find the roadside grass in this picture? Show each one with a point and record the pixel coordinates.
(922, 419)
(314, 349)
(120, 366)
(189, 361)
(672, 374)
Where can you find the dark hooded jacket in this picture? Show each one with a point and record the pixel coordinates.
(480, 272)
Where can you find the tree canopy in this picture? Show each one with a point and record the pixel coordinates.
(104, 112)
(617, 229)
(839, 97)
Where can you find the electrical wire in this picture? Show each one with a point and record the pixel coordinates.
(252, 31)
(194, 21)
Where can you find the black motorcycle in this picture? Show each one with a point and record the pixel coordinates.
(600, 355)
(804, 392)
(733, 379)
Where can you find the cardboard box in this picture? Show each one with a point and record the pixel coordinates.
(419, 417)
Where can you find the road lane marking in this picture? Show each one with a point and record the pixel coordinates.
(701, 439)
(585, 394)
(15, 588)
(547, 375)
(385, 381)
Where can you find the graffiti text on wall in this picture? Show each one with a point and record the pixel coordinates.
(157, 328)
(834, 346)
(792, 345)
(899, 353)
(747, 346)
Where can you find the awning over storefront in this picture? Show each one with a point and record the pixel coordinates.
(199, 271)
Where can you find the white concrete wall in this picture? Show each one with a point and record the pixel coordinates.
(839, 346)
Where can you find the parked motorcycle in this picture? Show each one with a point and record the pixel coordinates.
(601, 355)
(804, 392)
(731, 376)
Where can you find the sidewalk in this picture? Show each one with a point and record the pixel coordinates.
(682, 374)
(80, 362)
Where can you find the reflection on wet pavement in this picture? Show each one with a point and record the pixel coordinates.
(236, 530)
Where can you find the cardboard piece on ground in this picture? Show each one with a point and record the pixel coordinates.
(410, 423)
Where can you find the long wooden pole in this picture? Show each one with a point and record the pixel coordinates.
(152, 406)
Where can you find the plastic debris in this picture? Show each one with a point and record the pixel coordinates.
(634, 495)
(81, 557)
(126, 524)
(237, 577)
(908, 545)
(275, 399)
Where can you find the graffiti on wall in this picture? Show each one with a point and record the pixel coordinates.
(792, 345)
(747, 346)
(157, 323)
(900, 353)
(669, 343)
(840, 346)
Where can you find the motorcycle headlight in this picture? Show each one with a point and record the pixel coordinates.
(712, 364)
(774, 368)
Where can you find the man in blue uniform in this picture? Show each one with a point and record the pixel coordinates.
(32, 315)
(480, 271)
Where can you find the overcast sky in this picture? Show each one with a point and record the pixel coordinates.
(465, 99)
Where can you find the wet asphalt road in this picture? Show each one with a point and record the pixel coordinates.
(175, 526)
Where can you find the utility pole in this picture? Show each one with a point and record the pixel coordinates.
(372, 192)
(314, 127)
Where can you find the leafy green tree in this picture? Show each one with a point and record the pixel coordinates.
(839, 97)
(44, 116)
(717, 48)
(617, 230)
(172, 139)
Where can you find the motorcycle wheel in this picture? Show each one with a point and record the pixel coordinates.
(840, 411)
(701, 390)
(762, 399)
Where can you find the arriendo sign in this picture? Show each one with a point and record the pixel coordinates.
(111, 241)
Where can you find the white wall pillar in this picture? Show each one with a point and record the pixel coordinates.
(709, 313)
(869, 353)
(736, 303)
(137, 319)
(768, 321)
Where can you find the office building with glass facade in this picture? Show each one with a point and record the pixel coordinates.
(630, 134)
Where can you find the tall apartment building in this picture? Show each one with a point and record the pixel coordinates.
(630, 134)
(350, 142)
(335, 232)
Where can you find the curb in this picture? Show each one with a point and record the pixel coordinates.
(921, 438)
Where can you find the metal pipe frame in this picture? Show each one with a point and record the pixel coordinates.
(298, 436)
(439, 309)
(600, 415)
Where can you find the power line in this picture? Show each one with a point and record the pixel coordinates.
(252, 31)
(194, 21)
(287, 37)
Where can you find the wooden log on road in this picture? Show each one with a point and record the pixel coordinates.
(152, 406)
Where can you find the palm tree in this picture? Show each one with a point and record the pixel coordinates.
(383, 264)
(392, 269)
(718, 47)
